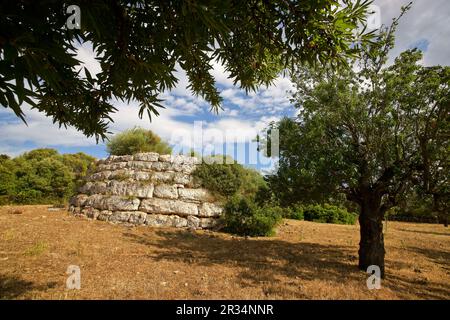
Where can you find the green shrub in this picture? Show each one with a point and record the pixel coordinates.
(226, 179)
(423, 214)
(244, 217)
(294, 212)
(137, 140)
(222, 179)
(328, 214)
(239, 188)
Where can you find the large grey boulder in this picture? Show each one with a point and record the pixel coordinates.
(210, 210)
(165, 206)
(166, 191)
(148, 156)
(195, 194)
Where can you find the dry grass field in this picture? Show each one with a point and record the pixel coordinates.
(303, 261)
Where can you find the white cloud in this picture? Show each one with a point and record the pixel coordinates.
(428, 20)
(40, 130)
(86, 55)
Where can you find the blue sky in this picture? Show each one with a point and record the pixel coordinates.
(426, 26)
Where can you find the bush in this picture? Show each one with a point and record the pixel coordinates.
(328, 214)
(420, 213)
(222, 179)
(294, 212)
(244, 217)
(137, 140)
(240, 188)
(225, 180)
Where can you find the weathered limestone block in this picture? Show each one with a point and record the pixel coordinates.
(185, 168)
(75, 210)
(118, 165)
(137, 217)
(157, 220)
(188, 168)
(166, 191)
(79, 200)
(193, 222)
(166, 158)
(179, 222)
(99, 176)
(95, 201)
(140, 165)
(208, 223)
(121, 174)
(210, 210)
(163, 206)
(119, 216)
(112, 166)
(113, 203)
(161, 166)
(85, 188)
(103, 167)
(104, 215)
(117, 203)
(176, 167)
(118, 188)
(179, 159)
(141, 190)
(90, 212)
(141, 176)
(182, 178)
(195, 194)
(192, 160)
(96, 187)
(162, 220)
(119, 158)
(147, 156)
(162, 177)
(125, 188)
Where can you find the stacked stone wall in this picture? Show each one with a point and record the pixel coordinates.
(147, 189)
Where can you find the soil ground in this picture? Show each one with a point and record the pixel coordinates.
(304, 260)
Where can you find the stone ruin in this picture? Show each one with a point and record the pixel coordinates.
(147, 189)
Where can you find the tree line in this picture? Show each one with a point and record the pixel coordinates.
(42, 176)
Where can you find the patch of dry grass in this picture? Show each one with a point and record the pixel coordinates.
(304, 260)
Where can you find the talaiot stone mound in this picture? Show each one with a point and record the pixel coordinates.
(147, 189)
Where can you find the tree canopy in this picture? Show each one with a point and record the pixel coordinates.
(137, 140)
(371, 132)
(140, 43)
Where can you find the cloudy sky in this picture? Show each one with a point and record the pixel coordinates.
(426, 26)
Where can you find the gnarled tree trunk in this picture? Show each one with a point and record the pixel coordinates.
(371, 245)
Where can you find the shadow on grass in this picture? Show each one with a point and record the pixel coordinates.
(425, 232)
(12, 287)
(435, 255)
(269, 262)
(261, 262)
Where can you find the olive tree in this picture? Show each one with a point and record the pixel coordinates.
(371, 132)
